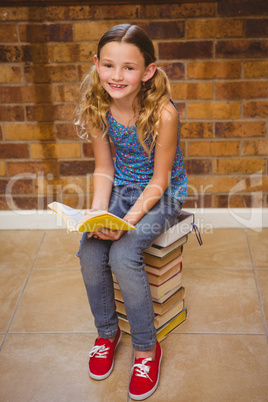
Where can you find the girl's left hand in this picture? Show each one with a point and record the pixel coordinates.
(107, 234)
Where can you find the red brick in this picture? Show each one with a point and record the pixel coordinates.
(198, 166)
(257, 28)
(43, 33)
(185, 50)
(241, 89)
(14, 151)
(47, 74)
(64, 111)
(196, 91)
(164, 29)
(254, 147)
(198, 201)
(65, 93)
(55, 151)
(8, 33)
(21, 13)
(256, 69)
(28, 202)
(121, 11)
(182, 10)
(255, 109)
(217, 110)
(240, 129)
(150, 11)
(213, 148)
(87, 150)
(2, 168)
(174, 71)
(66, 131)
(21, 186)
(212, 184)
(242, 7)
(91, 29)
(48, 112)
(10, 74)
(12, 54)
(214, 69)
(215, 28)
(83, 12)
(83, 70)
(40, 113)
(234, 201)
(239, 165)
(25, 94)
(244, 48)
(196, 130)
(29, 131)
(76, 168)
(11, 113)
(14, 168)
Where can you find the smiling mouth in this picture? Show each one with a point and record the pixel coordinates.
(117, 86)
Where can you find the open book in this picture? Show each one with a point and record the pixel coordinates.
(93, 220)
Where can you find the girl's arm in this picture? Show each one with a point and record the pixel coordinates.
(103, 175)
(165, 150)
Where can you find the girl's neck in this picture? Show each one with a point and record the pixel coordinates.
(124, 113)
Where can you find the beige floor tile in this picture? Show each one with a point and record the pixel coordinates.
(59, 250)
(259, 247)
(19, 248)
(11, 286)
(262, 278)
(54, 301)
(54, 368)
(209, 368)
(224, 248)
(221, 301)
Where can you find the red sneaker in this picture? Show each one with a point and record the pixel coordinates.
(101, 357)
(145, 376)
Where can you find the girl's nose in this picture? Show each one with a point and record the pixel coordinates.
(117, 74)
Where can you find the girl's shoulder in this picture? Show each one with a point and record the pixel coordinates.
(169, 112)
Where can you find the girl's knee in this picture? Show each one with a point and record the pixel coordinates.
(121, 259)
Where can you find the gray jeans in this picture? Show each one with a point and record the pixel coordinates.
(123, 257)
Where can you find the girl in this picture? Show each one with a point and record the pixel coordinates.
(126, 100)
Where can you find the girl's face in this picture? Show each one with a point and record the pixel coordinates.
(122, 70)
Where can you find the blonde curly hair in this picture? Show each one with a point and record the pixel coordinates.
(94, 101)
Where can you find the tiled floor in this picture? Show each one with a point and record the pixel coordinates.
(46, 329)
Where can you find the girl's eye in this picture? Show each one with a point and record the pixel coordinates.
(108, 65)
(129, 68)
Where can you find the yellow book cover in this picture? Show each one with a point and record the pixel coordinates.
(163, 331)
(93, 220)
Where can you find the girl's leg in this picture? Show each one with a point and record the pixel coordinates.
(97, 276)
(125, 259)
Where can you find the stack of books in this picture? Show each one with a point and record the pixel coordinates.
(163, 264)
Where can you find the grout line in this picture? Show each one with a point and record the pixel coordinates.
(257, 286)
(22, 292)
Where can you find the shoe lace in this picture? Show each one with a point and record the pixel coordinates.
(141, 370)
(99, 351)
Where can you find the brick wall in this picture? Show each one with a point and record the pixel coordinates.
(216, 55)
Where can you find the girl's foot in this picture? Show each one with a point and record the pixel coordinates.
(101, 357)
(145, 375)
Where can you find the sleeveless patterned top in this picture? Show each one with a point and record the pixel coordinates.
(132, 165)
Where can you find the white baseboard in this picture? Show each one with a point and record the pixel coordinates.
(206, 219)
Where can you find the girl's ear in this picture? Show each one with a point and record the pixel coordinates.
(149, 73)
(96, 62)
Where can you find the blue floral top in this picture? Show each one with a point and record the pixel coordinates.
(132, 165)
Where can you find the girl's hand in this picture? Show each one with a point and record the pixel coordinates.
(106, 234)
